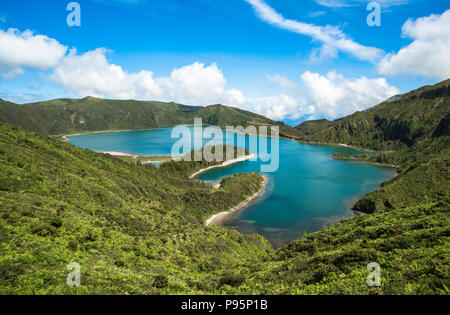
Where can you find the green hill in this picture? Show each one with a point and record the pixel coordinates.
(139, 230)
(130, 227)
(313, 126)
(392, 125)
(65, 116)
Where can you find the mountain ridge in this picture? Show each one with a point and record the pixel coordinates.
(391, 125)
(67, 116)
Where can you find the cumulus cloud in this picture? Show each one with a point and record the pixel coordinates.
(334, 96)
(92, 74)
(197, 84)
(332, 38)
(428, 54)
(277, 107)
(282, 81)
(316, 96)
(234, 97)
(20, 50)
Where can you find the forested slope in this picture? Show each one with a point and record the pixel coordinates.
(64, 116)
(140, 230)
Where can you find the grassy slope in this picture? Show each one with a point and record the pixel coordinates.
(391, 125)
(132, 228)
(139, 230)
(423, 176)
(64, 116)
(412, 245)
(312, 126)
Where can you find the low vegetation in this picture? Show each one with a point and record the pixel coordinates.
(140, 230)
(395, 124)
(69, 116)
(128, 226)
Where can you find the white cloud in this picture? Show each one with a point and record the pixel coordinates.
(197, 84)
(20, 50)
(92, 74)
(428, 54)
(234, 97)
(334, 3)
(315, 14)
(282, 81)
(334, 96)
(332, 38)
(350, 3)
(277, 107)
(331, 96)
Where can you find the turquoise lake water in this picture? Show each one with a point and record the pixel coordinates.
(308, 192)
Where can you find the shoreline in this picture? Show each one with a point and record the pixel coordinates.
(364, 162)
(115, 153)
(64, 137)
(151, 162)
(217, 219)
(226, 163)
(142, 159)
(83, 133)
(342, 145)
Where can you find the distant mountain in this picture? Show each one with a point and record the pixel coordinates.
(397, 123)
(313, 126)
(63, 116)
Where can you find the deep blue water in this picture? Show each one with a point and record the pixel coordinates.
(308, 192)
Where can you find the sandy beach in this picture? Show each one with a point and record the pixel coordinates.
(66, 139)
(226, 163)
(114, 153)
(151, 162)
(218, 218)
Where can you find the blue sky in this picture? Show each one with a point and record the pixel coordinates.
(290, 60)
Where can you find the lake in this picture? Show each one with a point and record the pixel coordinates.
(308, 192)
